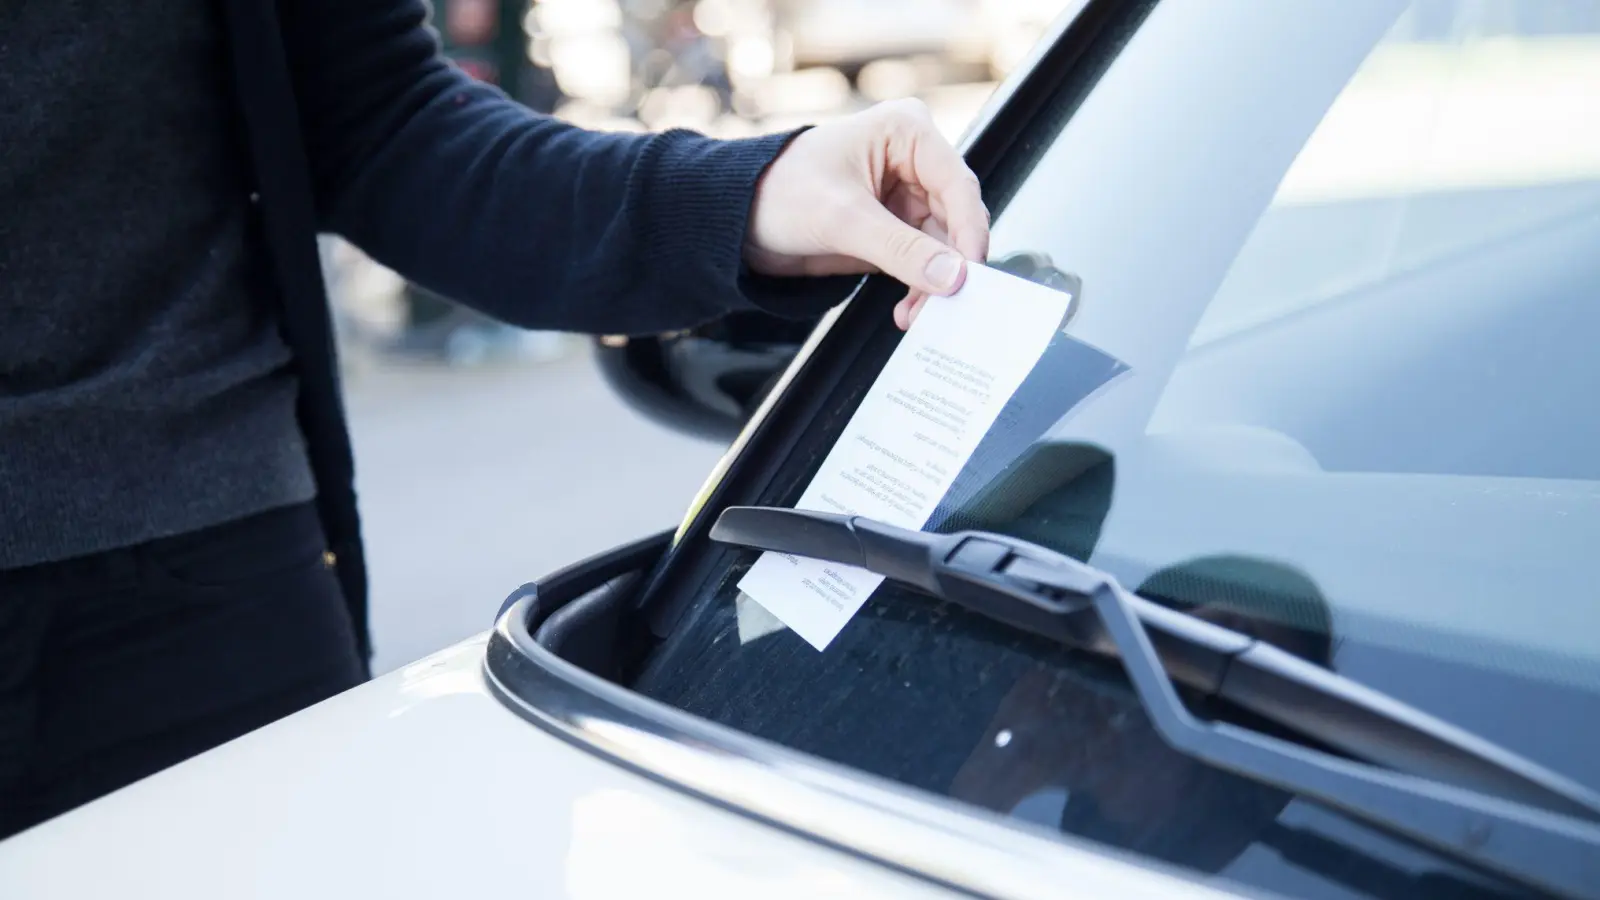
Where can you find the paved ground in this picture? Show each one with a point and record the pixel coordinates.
(476, 481)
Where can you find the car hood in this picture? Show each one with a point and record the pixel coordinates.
(419, 784)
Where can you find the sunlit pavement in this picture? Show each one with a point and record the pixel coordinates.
(476, 480)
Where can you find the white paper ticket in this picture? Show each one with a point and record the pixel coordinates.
(920, 422)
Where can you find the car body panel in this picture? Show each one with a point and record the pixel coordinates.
(419, 784)
(423, 784)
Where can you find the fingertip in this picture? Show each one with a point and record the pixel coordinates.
(961, 279)
(974, 243)
(945, 272)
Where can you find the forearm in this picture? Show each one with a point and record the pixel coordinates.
(525, 217)
(548, 226)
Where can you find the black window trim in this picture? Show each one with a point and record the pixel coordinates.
(1011, 129)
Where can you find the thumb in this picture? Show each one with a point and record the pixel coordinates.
(875, 235)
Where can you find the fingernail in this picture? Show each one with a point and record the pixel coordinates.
(943, 270)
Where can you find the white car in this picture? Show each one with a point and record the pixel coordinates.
(1273, 575)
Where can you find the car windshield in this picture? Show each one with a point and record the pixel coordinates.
(1349, 254)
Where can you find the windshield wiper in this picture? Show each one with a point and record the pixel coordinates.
(1411, 774)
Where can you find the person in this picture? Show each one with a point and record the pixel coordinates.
(180, 553)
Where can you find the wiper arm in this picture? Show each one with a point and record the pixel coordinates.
(1419, 777)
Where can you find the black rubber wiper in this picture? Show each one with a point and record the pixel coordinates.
(1408, 773)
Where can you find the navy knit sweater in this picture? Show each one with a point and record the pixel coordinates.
(338, 117)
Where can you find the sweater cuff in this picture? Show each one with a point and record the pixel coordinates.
(697, 202)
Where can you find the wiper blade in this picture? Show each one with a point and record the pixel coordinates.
(1413, 775)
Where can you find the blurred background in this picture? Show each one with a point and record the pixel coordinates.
(488, 457)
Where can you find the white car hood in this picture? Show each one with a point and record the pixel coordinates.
(423, 784)
(419, 784)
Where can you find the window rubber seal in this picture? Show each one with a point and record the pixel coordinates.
(930, 838)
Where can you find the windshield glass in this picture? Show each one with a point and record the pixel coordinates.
(1349, 253)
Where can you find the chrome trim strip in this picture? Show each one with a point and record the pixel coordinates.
(926, 836)
(1001, 95)
(824, 325)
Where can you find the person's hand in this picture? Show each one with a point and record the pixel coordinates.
(880, 190)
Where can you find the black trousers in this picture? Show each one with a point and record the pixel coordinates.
(117, 665)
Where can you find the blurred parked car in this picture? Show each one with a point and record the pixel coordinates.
(850, 34)
(1300, 604)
